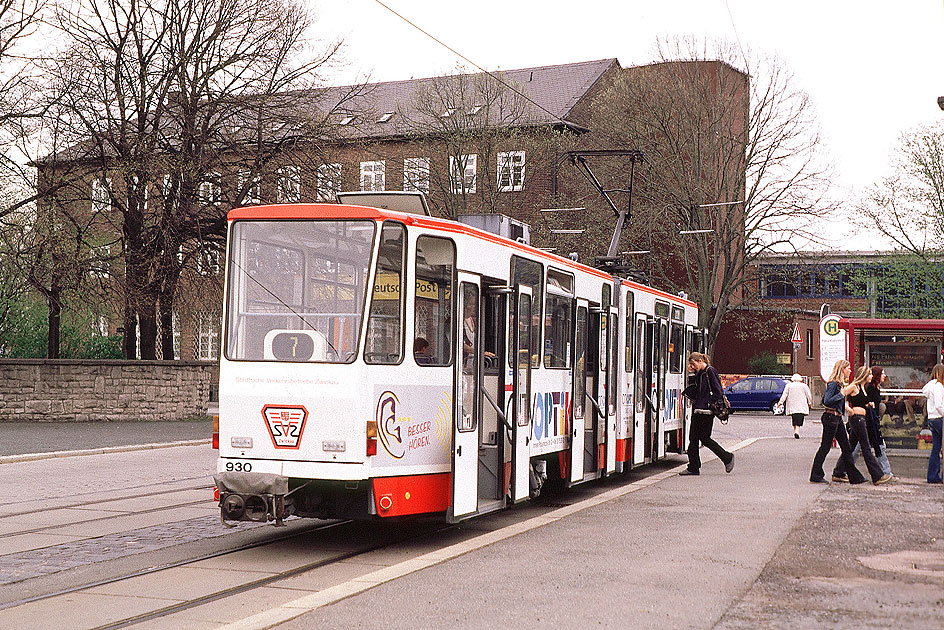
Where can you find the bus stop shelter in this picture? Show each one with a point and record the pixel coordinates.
(906, 349)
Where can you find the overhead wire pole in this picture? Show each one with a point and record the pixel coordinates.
(579, 159)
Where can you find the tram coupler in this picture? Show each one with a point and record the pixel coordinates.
(257, 497)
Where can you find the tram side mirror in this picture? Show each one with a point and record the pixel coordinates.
(295, 345)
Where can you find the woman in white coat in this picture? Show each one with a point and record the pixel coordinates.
(796, 399)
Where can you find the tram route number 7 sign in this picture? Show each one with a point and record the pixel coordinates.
(286, 424)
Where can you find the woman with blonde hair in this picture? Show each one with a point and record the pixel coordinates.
(705, 390)
(857, 401)
(934, 393)
(834, 402)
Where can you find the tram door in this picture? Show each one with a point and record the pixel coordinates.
(595, 414)
(641, 391)
(661, 364)
(467, 401)
(580, 408)
(612, 390)
(651, 379)
(521, 393)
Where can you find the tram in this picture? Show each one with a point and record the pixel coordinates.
(379, 362)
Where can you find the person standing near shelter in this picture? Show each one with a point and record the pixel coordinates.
(857, 401)
(934, 395)
(703, 392)
(835, 402)
(873, 418)
(796, 399)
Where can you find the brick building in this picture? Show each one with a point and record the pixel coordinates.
(475, 144)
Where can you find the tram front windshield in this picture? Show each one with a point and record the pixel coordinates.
(296, 289)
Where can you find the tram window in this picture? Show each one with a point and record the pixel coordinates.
(469, 385)
(662, 309)
(385, 323)
(641, 374)
(614, 357)
(676, 349)
(529, 273)
(435, 268)
(558, 320)
(678, 313)
(295, 282)
(558, 331)
(494, 314)
(580, 362)
(628, 358)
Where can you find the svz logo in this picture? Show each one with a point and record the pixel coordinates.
(286, 424)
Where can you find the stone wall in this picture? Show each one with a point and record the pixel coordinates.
(46, 390)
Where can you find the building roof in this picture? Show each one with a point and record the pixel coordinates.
(549, 93)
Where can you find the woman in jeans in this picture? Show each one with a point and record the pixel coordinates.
(857, 401)
(835, 402)
(705, 390)
(934, 393)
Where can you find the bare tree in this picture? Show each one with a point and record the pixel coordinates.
(180, 108)
(907, 207)
(732, 167)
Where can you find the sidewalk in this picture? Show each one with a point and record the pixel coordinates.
(758, 548)
(18, 438)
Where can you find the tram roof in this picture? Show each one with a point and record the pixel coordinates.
(282, 212)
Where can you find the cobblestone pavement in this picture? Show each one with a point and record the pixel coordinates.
(48, 560)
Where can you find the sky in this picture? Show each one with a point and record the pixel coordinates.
(872, 69)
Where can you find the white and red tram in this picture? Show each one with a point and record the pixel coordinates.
(379, 363)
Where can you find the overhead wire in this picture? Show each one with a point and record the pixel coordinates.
(469, 61)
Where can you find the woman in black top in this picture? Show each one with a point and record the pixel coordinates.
(705, 390)
(858, 401)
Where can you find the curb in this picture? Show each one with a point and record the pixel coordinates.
(31, 457)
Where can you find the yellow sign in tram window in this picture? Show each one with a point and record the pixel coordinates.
(387, 286)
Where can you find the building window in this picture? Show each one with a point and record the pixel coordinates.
(175, 331)
(252, 194)
(416, 174)
(288, 185)
(462, 173)
(329, 182)
(100, 261)
(372, 175)
(809, 281)
(208, 260)
(511, 171)
(209, 190)
(809, 343)
(208, 335)
(385, 118)
(101, 194)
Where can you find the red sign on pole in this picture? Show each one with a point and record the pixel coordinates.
(796, 333)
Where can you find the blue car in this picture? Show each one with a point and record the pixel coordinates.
(755, 392)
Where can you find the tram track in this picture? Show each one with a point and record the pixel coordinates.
(268, 580)
(110, 517)
(206, 485)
